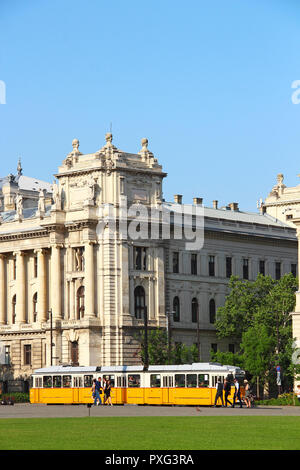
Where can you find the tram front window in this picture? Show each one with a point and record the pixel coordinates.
(155, 380)
(66, 381)
(203, 380)
(179, 380)
(47, 381)
(134, 380)
(57, 381)
(191, 380)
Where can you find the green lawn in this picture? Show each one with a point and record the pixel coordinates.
(151, 433)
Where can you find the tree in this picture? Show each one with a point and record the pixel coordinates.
(257, 314)
(158, 349)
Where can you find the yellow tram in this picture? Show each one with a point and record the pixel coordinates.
(188, 384)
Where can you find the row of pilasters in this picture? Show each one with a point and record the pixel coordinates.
(55, 298)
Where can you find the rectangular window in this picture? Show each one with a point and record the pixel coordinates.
(211, 265)
(277, 271)
(179, 380)
(47, 381)
(228, 266)
(88, 380)
(191, 380)
(193, 264)
(203, 380)
(245, 268)
(7, 355)
(27, 354)
(231, 348)
(262, 267)
(155, 380)
(67, 381)
(175, 262)
(140, 258)
(294, 269)
(111, 378)
(57, 381)
(134, 381)
(121, 381)
(214, 347)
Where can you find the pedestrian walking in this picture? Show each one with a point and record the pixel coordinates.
(219, 394)
(227, 391)
(95, 393)
(237, 393)
(247, 393)
(107, 393)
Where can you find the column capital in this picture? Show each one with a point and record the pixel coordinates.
(2, 256)
(56, 245)
(19, 253)
(42, 251)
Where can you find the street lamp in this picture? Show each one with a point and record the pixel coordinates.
(168, 315)
(146, 360)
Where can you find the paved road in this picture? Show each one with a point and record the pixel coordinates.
(76, 411)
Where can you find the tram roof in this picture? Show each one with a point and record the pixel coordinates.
(66, 369)
(197, 366)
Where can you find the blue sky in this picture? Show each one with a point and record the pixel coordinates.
(207, 82)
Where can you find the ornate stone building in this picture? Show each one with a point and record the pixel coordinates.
(73, 288)
(283, 202)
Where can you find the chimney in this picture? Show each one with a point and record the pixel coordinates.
(234, 206)
(215, 204)
(178, 198)
(197, 201)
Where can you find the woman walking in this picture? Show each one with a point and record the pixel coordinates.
(107, 393)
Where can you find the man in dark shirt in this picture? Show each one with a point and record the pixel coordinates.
(219, 394)
(98, 390)
(227, 390)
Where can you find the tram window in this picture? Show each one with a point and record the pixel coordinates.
(165, 381)
(121, 381)
(38, 382)
(88, 380)
(77, 382)
(155, 380)
(111, 378)
(191, 380)
(179, 380)
(57, 381)
(47, 381)
(203, 380)
(66, 381)
(134, 380)
(170, 381)
(214, 380)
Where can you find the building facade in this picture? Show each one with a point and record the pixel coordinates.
(74, 288)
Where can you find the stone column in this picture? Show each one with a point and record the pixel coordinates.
(42, 286)
(55, 282)
(2, 289)
(89, 280)
(21, 287)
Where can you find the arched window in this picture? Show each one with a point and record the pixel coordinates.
(74, 353)
(139, 302)
(194, 310)
(34, 304)
(80, 303)
(212, 311)
(176, 309)
(13, 308)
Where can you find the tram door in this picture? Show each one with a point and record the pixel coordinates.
(167, 384)
(77, 384)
